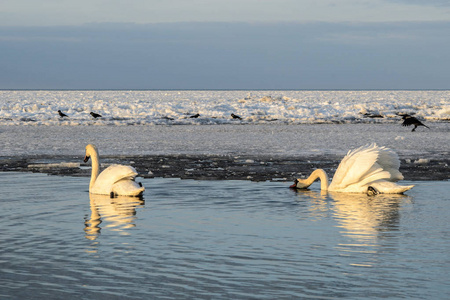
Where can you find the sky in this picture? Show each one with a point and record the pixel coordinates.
(233, 44)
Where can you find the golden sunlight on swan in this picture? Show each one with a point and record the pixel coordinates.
(369, 169)
(114, 180)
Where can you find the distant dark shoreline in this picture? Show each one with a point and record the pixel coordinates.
(220, 167)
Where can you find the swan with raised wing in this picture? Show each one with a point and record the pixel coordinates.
(368, 169)
(114, 180)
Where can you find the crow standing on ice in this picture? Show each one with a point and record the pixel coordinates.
(95, 115)
(410, 120)
(236, 117)
(61, 114)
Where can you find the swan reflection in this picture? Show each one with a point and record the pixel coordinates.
(367, 218)
(364, 218)
(117, 214)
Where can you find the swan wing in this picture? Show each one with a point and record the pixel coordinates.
(357, 165)
(389, 161)
(111, 175)
(364, 166)
(128, 188)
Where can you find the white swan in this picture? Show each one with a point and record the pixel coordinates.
(368, 169)
(114, 180)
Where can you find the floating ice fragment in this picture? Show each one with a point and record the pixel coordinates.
(422, 161)
(54, 165)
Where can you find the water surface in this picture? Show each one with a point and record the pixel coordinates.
(220, 240)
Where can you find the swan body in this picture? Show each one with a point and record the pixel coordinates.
(368, 169)
(114, 180)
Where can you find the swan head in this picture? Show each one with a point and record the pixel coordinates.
(90, 150)
(300, 184)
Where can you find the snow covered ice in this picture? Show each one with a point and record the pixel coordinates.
(215, 107)
(283, 124)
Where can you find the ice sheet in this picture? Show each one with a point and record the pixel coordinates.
(215, 107)
(275, 123)
(251, 140)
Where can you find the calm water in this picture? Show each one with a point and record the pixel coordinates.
(220, 240)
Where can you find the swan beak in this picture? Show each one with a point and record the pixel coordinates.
(294, 186)
(86, 158)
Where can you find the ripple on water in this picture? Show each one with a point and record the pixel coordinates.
(219, 239)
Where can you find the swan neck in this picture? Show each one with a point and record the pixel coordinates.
(95, 169)
(319, 174)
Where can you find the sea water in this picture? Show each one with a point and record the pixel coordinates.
(191, 239)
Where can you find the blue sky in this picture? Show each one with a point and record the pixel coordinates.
(233, 44)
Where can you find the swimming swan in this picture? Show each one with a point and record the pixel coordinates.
(368, 169)
(114, 180)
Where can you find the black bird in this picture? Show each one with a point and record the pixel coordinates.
(195, 116)
(236, 117)
(61, 114)
(410, 120)
(95, 115)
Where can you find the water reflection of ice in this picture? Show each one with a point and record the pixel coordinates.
(117, 214)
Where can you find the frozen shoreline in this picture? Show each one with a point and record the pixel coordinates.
(122, 108)
(255, 152)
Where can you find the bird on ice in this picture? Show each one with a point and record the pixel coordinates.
(95, 115)
(236, 117)
(61, 114)
(410, 120)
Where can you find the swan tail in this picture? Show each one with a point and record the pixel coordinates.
(386, 187)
